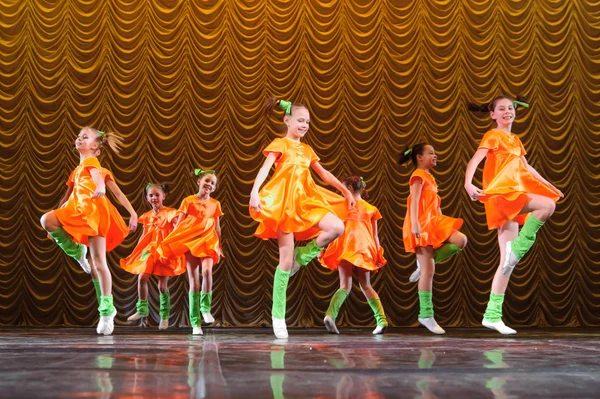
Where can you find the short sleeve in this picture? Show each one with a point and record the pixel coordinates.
(91, 163)
(143, 219)
(489, 141)
(218, 210)
(184, 206)
(418, 175)
(108, 176)
(312, 155)
(376, 215)
(277, 146)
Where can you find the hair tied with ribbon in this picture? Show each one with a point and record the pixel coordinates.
(201, 172)
(286, 106)
(362, 181)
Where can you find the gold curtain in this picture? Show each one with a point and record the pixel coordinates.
(184, 82)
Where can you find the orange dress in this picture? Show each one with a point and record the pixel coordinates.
(82, 217)
(506, 180)
(435, 228)
(357, 244)
(157, 226)
(196, 233)
(290, 200)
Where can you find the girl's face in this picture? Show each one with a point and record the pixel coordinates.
(155, 196)
(207, 184)
(504, 112)
(298, 122)
(428, 159)
(87, 142)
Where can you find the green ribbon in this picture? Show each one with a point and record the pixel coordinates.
(148, 186)
(101, 133)
(202, 172)
(286, 106)
(518, 104)
(407, 152)
(364, 185)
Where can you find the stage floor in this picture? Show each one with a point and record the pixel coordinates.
(251, 363)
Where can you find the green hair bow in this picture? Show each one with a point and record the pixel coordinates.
(518, 104)
(286, 106)
(202, 172)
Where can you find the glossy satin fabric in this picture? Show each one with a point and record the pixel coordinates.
(83, 216)
(435, 228)
(506, 179)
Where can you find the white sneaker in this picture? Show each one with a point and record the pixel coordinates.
(135, 316)
(432, 325)
(498, 326)
(279, 328)
(163, 325)
(197, 331)
(106, 325)
(330, 325)
(510, 260)
(83, 262)
(416, 275)
(208, 318)
(379, 330)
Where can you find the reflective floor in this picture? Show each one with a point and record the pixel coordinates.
(251, 363)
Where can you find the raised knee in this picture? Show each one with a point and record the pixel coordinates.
(44, 221)
(550, 208)
(463, 242)
(338, 228)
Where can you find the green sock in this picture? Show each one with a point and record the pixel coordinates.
(444, 252)
(106, 307)
(165, 305)
(96, 283)
(142, 307)
(66, 243)
(336, 303)
(425, 304)
(524, 241)
(194, 298)
(277, 379)
(205, 302)
(307, 253)
(280, 293)
(377, 308)
(493, 312)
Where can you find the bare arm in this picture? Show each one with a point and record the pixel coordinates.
(334, 182)
(415, 192)
(375, 234)
(474, 192)
(260, 179)
(114, 188)
(99, 181)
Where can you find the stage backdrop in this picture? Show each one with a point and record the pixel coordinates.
(184, 82)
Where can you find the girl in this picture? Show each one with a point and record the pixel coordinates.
(291, 205)
(158, 223)
(88, 218)
(426, 232)
(197, 234)
(512, 190)
(356, 250)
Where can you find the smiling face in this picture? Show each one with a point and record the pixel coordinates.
(297, 123)
(503, 112)
(207, 183)
(87, 142)
(428, 159)
(155, 196)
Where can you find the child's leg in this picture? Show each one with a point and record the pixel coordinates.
(364, 280)
(280, 282)
(107, 309)
(331, 228)
(77, 251)
(165, 302)
(493, 314)
(425, 258)
(194, 295)
(345, 272)
(95, 281)
(540, 209)
(206, 294)
(455, 243)
(142, 303)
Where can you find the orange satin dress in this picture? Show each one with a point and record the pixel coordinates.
(506, 179)
(82, 217)
(435, 228)
(291, 201)
(357, 245)
(157, 226)
(197, 233)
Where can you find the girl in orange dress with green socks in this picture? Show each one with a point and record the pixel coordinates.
(513, 194)
(89, 219)
(358, 251)
(291, 206)
(197, 235)
(432, 236)
(158, 224)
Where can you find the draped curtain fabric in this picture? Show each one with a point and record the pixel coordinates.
(184, 82)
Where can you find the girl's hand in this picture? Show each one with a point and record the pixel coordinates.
(133, 221)
(350, 201)
(100, 191)
(255, 202)
(474, 192)
(416, 230)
